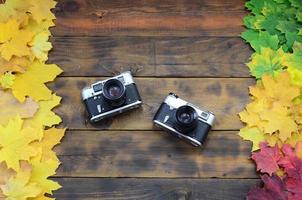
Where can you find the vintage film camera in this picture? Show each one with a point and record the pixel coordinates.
(110, 97)
(184, 120)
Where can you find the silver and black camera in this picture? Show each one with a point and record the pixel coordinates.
(110, 97)
(184, 120)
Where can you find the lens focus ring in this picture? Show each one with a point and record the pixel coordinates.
(114, 92)
(186, 119)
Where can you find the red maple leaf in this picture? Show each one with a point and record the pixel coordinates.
(267, 159)
(273, 189)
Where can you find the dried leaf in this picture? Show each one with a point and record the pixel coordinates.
(267, 159)
(31, 83)
(10, 107)
(15, 143)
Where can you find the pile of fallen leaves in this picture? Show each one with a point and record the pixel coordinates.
(27, 137)
(274, 116)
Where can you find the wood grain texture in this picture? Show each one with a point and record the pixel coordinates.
(143, 17)
(190, 47)
(224, 96)
(153, 154)
(153, 189)
(152, 56)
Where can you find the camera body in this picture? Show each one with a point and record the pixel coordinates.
(110, 97)
(184, 120)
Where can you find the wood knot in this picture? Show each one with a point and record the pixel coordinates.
(100, 13)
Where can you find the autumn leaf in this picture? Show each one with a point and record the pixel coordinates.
(5, 175)
(252, 134)
(273, 110)
(45, 116)
(278, 119)
(31, 83)
(51, 138)
(27, 158)
(15, 143)
(8, 30)
(267, 159)
(274, 189)
(279, 89)
(17, 46)
(298, 149)
(7, 80)
(40, 46)
(275, 113)
(15, 64)
(267, 61)
(40, 173)
(19, 187)
(10, 107)
(13, 9)
(41, 10)
(260, 40)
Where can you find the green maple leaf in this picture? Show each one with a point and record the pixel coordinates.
(296, 3)
(260, 39)
(288, 26)
(294, 59)
(299, 15)
(255, 6)
(249, 21)
(269, 23)
(267, 61)
(291, 38)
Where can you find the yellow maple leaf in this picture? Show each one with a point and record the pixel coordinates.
(295, 76)
(273, 140)
(251, 113)
(273, 109)
(19, 187)
(8, 30)
(294, 139)
(7, 80)
(17, 45)
(268, 61)
(31, 83)
(40, 173)
(37, 28)
(13, 9)
(15, 64)
(44, 116)
(41, 10)
(279, 119)
(10, 107)
(252, 134)
(15, 143)
(40, 46)
(51, 138)
(279, 89)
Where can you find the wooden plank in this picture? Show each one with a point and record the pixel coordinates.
(223, 96)
(152, 56)
(153, 189)
(143, 17)
(153, 154)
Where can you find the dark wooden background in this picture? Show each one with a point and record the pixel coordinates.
(190, 47)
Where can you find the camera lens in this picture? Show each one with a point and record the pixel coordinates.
(114, 92)
(186, 119)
